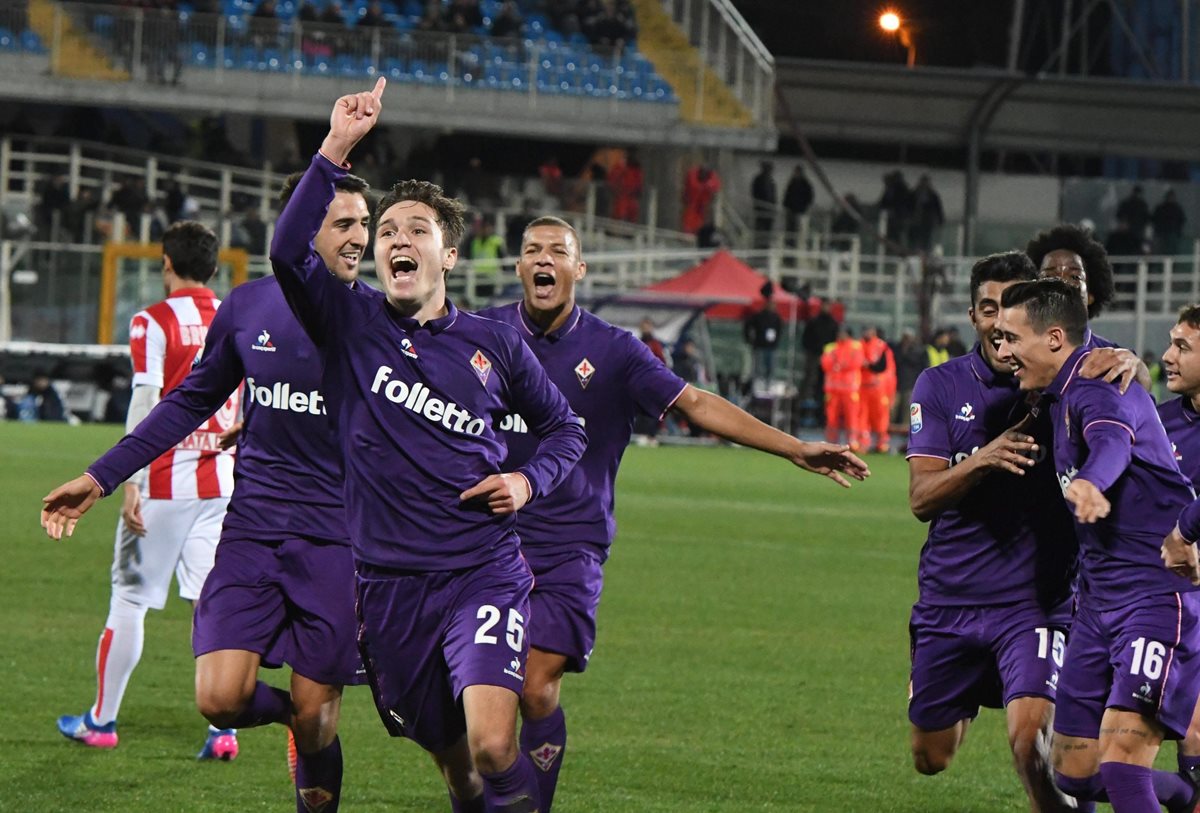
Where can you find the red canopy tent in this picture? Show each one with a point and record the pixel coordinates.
(724, 277)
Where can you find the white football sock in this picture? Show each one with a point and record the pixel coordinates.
(117, 655)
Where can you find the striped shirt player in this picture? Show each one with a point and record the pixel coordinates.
(170, 518)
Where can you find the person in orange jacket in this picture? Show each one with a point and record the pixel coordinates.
(878, 389)
(842, 363)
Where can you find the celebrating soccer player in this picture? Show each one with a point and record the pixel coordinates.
(170, 520)
(417, 389)
(282, 588)
(1132, 672)
(990, 623)
(609, 378)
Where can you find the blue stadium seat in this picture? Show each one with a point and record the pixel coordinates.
(201, 58)
(8, 42)
(102, 24)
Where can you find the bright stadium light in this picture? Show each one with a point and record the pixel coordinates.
(890, 22)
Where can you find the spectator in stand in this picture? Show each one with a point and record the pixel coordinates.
(911, 359)
(897, 202)
(846, 222)
(688, 365)
(264, 25)
(700, 188)
(820, 330)
(927, 215)
(764, 198)
(79, 219)
(710, 236)
(797, 199)
(472, 16)
(373, 17)
(307, 13)
(610, 27)
(8, 410)
(597, 180)
(129, 198)
(1168, 219)
(251, 233)
(1124, 241)
(335, 18)
(333, 14)
(552, 178)
(508, 22)
(54, 198)
(627, 181)
(1135, 211)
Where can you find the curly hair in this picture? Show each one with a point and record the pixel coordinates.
(1078, 240)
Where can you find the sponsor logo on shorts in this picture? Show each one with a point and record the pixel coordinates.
(280, 396)
(514, 669)
(544, 755)
(263, 343)
(1053, 681)
(315, 799)
(399, 720)
(1145, 693)
(482, 366)
(584, 372)
(415, 398)
(914, 418)
(965, 413)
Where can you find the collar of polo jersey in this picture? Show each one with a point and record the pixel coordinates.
(554, 335)
(434, 326)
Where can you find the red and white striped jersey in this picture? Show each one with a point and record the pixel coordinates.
(165, 341)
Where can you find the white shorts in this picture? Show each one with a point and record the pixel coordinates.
(181, 538)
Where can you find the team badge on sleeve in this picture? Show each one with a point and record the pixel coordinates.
(584, 372)
(481, 366)
(914, 418)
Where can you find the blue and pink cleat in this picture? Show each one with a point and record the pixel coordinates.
(221, 744)
(84, 729)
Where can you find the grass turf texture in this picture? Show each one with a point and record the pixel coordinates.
(752, 655)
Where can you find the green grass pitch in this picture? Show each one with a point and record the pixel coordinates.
(752, 655)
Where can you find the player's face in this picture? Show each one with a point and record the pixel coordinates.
(344, 235)
(410, 259)
(1181, 362)
(1024, 350)
(983, 316)
(1068, 267)
(549, 267)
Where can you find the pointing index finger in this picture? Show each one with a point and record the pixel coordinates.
(377, 91)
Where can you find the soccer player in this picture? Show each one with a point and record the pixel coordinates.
(282, 588)
(1132, 671)
(417, 389)
(171, 519)
(994, 604)
(609, 378)
(1181, 419)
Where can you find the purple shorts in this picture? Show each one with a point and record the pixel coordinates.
(291, 602)
(1143, 657)
(964, 658)
(566, 594)
(425, 637)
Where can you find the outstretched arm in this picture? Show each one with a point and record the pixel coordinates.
(714, 414)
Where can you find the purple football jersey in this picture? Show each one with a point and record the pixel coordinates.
(287, 474)
(1001, 543)
(608, 377)
(417, 407)
(1182, 423)
(1117, 443)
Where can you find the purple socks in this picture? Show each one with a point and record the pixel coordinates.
(544, 742)
(319, 779)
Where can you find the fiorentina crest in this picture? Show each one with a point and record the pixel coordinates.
(544, 755)
(481, 366)
(315, 799)
(584, 372)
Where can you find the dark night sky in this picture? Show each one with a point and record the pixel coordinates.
(947, 33)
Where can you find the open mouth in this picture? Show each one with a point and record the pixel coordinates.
(402, 265)
(350, 258)
(543, 283)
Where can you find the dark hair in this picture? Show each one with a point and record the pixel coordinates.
(1190, 315)
(558, 223)
(348, 183)
(1078, 240)
(1049, 303)
(1004, 267)
(450, 211)
(192, 248)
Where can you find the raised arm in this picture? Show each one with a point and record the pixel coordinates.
(312, 292)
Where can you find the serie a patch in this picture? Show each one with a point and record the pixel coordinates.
(915, 421)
